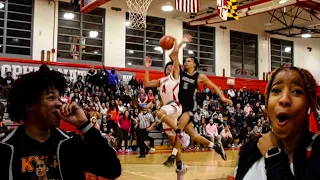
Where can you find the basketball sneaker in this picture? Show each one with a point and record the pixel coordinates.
(181, 172)
(119, 151)
(185, 139)
(220, 150)
(170, 161)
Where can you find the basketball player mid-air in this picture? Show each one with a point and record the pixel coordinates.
(189, 80)
(171, 110)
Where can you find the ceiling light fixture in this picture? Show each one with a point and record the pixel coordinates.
(306, 35)
(158, 48)
(167, 7)
(1, 5)
(190, 52)
(282, 1)
(65, 15)
(93, 34)
(287, 49)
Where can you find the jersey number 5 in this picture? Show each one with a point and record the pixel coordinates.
(185, 85)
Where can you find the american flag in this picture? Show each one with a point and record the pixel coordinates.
(189, 6)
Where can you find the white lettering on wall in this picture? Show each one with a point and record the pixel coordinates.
(16, 70)
(23, 68)
(27, 69)
(4, 69)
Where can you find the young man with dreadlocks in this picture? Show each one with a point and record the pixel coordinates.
(35, 99)
(189, 81)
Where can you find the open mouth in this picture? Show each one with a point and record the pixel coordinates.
(56, 114)
(282, 117)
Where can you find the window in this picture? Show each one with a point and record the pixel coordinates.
(16, 27)
(281, 53)
(145, 42)
(80, 36)
(243, 54)
(202, 46)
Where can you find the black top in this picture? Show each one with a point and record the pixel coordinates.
(28, 153)
(68, 155)
(188, 90)
(278, 167)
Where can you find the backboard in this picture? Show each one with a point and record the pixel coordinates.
(89, 5)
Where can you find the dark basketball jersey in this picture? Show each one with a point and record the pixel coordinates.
(188, 90)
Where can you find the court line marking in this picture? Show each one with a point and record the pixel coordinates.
(142, 175)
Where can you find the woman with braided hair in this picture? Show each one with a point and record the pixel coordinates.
(290, 151)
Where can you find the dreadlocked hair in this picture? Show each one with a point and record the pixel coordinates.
(28, 88)
(310, 85)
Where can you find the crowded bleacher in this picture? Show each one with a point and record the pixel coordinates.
(113, 107)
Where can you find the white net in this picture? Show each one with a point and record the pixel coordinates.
(138, 12)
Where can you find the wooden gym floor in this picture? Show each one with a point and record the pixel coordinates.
(206, 165)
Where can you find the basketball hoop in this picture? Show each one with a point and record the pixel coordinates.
(138, 12)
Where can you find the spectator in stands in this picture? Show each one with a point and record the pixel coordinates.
(134, 126)
(99, 80)
(231, 93)
(247, 109)
(257, 130)
(251, 120)
(207, 100)
(94, 120)
(244, 134)
(113, 112)
(128, 95)
(90, 74)
(124, 124)
(104, 125)
(113, 79)
(142, 99)
(259, 97)
(133, 82)
(265, 126)
(35, 99)
(212, 132)
(226, 137)
(7, 83)
(258, 110)
(234, 129)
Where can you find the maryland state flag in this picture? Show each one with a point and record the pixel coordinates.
(232, 10)
(227, 9)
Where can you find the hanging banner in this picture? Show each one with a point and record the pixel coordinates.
(222, 9)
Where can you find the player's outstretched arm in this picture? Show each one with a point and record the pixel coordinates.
(174, 55)
(147, 82)
(203, 78)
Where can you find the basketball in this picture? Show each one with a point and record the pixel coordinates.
(166, 42)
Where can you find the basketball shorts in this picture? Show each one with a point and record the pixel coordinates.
(171, 109)
(190, 112)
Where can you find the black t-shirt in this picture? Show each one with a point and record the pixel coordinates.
(33, 158)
